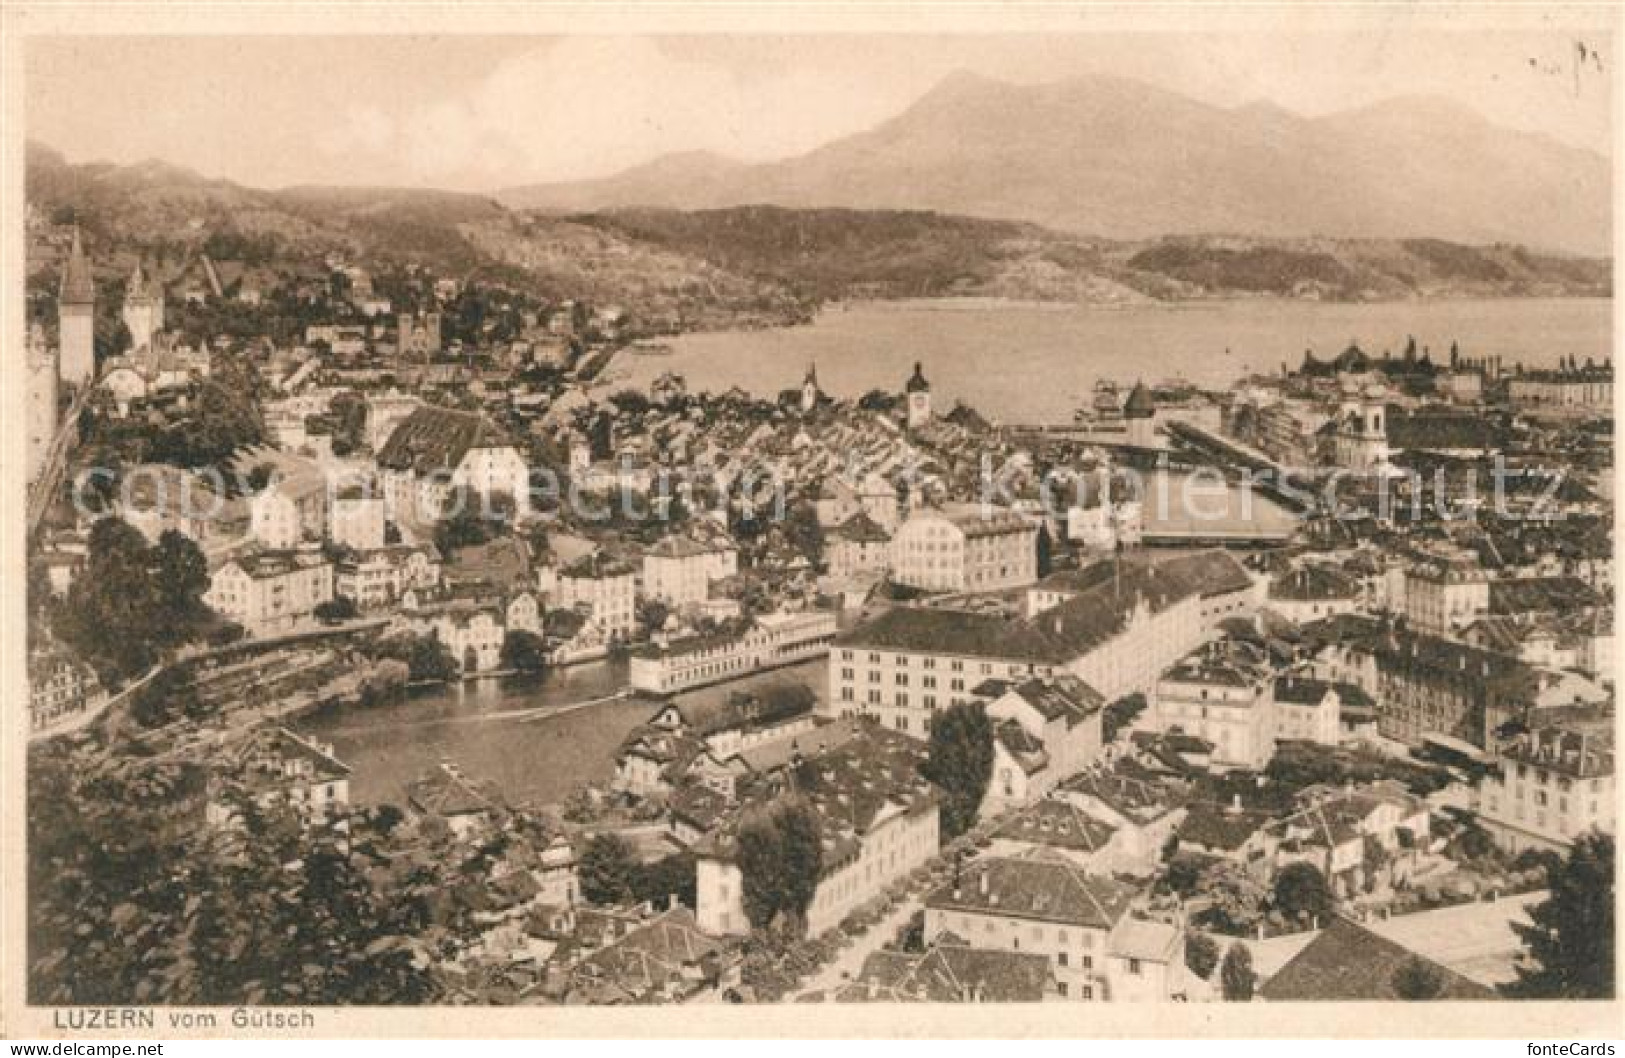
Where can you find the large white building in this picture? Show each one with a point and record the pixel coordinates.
(772, 641)
(678, 571)
(270, 591)
(1116, 627)
(968, 548)
(1222, 693)
(437, 454)
(606, 589)
(1097, 949)
(1573, 386)
(1552, 786)
(878, 819)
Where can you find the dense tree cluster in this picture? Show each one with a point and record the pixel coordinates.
(1570, 936)
(131, 902)
(523, 651)
(426, 657)
(133, 601)
(610, 873)
(780, 860)
(960, 763)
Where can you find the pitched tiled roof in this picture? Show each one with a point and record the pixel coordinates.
(1540, 594)
(950, 973)
(925, 630)
(862, 529)
(1314, 583)
(436, 438)
(1347, 961)
(1060, 824)
(1216, 827)
(1027, 750)
(1301, 690)
(1063, 697)
(1046, 890)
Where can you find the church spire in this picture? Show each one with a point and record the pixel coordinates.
(78, 288)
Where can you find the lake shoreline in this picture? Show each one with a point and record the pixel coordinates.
(1039, 361)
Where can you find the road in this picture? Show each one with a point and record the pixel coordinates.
(850, 960)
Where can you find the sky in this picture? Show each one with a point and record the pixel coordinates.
(480, 113)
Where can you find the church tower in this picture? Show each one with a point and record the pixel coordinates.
(143, 310)
(809, 390)
(76, 318)
(40, 414)
(919, 399)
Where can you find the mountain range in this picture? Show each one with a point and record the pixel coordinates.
(730, 267)
(1121, 159)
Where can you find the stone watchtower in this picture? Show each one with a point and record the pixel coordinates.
(76, 318)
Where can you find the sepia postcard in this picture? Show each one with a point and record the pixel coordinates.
(893, 521)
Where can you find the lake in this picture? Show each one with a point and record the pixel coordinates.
(532, 737)
(1038, 362)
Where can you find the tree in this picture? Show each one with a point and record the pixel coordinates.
(1569, 939)
(336, 610)
(465, 528)
(780, 859)
(671, 877)
(607, 869)
(652, 615)
(1201, 954)
(132, 601)
(426, 657)
(960, 763)
(1417, 979)
(523, 651)
(1120, 714)
(1236, 973)
(267, 912)
(1300, 889)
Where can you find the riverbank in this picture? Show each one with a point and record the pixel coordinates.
(538, 739)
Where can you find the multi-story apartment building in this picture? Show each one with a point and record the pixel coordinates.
(1587, 386)
(437, 453)
(879, 821)
(1428, 686)
(1307, 710)
(1079, 921)
(1223, 693)
(1553, 785)
(270, 591)
(857, 546)
(679, 571)
(60, 689)
(379, 576)
(965, 549)
(606, 588)
(1445, 593)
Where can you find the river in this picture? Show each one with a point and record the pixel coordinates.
(534, 737)
(1038, 362)
(1016, 362)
